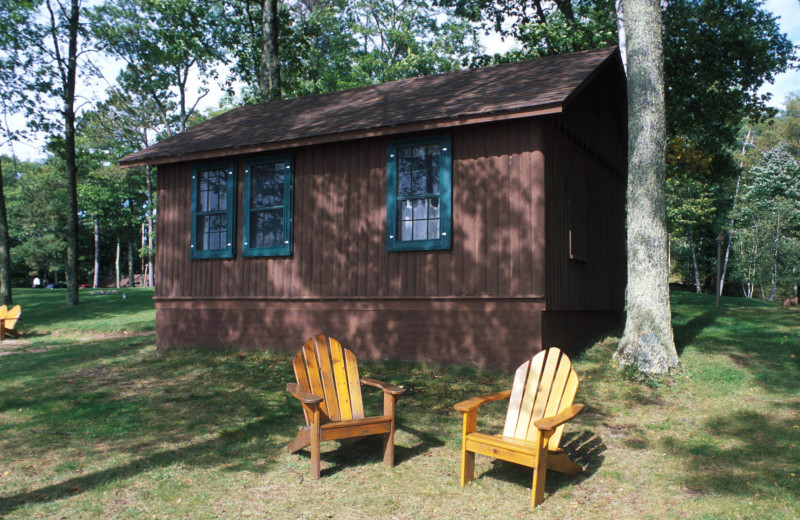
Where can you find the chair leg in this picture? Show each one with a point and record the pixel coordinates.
(388, 448)
(539, 470)
(467, 466)
(315, 434)
(470, 421)
(388, 442)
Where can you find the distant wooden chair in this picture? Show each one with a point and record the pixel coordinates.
(329, 388)
(8, 322)
(540, 403)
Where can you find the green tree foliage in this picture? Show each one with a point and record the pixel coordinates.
(13, 17)
(544, 27)
(37, 201)
(768, 236)
(718, 55)
(161, 43)
(335, 44)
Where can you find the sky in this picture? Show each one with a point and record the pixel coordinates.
(788, 12)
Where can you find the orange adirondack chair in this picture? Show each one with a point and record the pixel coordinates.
(539, 406)
(9, 321)
(329, 388)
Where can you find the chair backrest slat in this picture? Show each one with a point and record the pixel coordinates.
(514, 402)
(325, 368)
(326, 376)
(314, 379)
(570, 389)
(340, 376)
(543, 387)
(354, 384)
(3, 311)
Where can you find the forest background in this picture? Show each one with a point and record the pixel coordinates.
(733, 158)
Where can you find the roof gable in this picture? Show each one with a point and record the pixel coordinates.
(518, 89)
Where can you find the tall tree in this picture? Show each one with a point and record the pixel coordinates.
(14, 17)
(55, 44)
(647, 343)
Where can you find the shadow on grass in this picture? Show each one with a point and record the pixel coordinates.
(370, 451)
(733, 461)
(212, 452)
(115, 399)
(685, 334)
(758, 338)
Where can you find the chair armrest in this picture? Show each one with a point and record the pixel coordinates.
(551, 423)
(472, 404)
(386, 387)
(302, 395)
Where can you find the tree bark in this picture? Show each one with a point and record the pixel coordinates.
(116, 264)
(69, 141)
(269, 74)
(96, 277)
(5, 250)
(698, 288)
(130, 263)
(647, 343)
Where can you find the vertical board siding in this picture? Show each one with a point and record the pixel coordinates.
(339, 237)
(585, 197)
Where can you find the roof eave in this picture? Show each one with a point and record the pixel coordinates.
(417, 126)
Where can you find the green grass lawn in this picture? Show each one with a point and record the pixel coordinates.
(94, 424)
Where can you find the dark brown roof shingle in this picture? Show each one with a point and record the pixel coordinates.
(504, 88)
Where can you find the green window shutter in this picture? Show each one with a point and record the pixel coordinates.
(213, 226)
(268, 212)
(419, 194)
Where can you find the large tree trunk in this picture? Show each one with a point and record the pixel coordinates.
(269, 73)
(5, 250)
(647, 342)
(69, 155)
(96, 277)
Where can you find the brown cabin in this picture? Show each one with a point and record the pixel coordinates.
(473, 217)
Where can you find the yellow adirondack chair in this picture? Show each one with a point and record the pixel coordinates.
(329, 388)
(9, 321)
(539, 406)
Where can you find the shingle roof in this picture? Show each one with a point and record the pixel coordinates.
(498, 89)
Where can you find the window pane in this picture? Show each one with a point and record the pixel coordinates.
(266, 228)
(420, 209)
(433, 229)
(266, 184)
(433, 208)
(211, 232)
(405, 211)
(213, 190)
(418, 170)
(406, 228)
(420, 229)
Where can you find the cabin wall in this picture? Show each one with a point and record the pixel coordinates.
(586, 171)
(479, 302)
